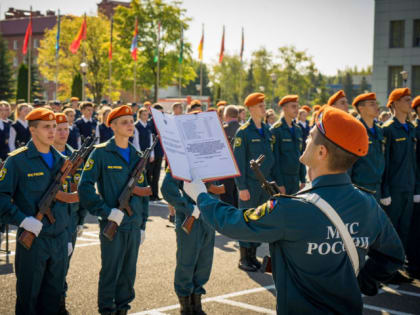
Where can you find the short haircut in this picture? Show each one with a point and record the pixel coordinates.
(240, 108)
(175, 105)
(338, 158)
(231, 111)
(157, 106)
(194, 106)
(69, 110)
(86, 105)
(142, 110)
(33, 123)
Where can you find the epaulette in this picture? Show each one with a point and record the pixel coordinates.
(365, 189)
(388, 123)
(101, 145)
(244, 126)
(168, 170)
(17, 151)
(283, 195)
(277, 124)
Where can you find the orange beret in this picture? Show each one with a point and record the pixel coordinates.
(336, 97)
(306, 108)
(196, 111)
(60, 118)
(221, 103)
(397, 94)
(118, 112)
(74, 99)
(416, 102)
(364, 97)
(343, 129)
(147, 103)
(41, 113)
(254, 99)
(288, 98)
(316, 107)
(211, 109)
(195, 102)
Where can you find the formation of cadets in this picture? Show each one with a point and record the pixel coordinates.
(354, 159)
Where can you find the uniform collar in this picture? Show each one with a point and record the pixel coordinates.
(399, 125)
(327, 180)
(111, 146)
(87, 120)
(34, 153)
(285, 125)
(252, 123)
(24, 123)
(69, 150)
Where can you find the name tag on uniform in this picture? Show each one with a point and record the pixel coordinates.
(286, 140)
(400, 139)
(256, 140)
(36, 174)
(116, 167)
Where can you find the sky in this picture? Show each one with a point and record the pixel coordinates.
(336, 33)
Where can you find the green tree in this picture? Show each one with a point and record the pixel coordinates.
(6, 74)
(364, 86)
(93, 51)
(22, 83)
(191, 87)
(348, 86)
(77, 86)
(249, 82)
(262, 67)
(149, 13)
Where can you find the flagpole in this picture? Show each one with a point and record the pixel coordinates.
(29, 60)
(201, 66)
(110, 65)
(134, 86)
(158, 65)
(56, 56)
(180, 62)
(180, 79)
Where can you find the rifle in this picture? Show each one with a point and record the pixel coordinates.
(52, 194)
(211, 188)
(271, 188)
(131, 189)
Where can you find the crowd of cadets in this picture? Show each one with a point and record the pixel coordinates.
(388, 170)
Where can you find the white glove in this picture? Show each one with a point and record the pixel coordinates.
(416, 198)
(142, 236)
(32, 225)
(386, 201)
(116, 215)
(69, 248)
(196, 212)
(79, 230)
(196, 187)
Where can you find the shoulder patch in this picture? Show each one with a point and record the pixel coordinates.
(89, 165)
(254, 214)
(168, 170)
(244, 126)
(388, 123)
(277, 124)
(238, 142)
(3, 173)
(101, 145)
(17, 151)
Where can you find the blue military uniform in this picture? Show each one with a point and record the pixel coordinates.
(86, 127)
(305, 132)
(288, 147)
(41, 270)
(4, 140)
(368, 170)
(74, 137)
(107, 168)
(311, 269)
(105, 133)
(400, 178)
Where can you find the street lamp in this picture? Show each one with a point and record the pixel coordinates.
(274, 81)
(404, 76)
(83, 67)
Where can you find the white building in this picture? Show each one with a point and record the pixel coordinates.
(396, 46)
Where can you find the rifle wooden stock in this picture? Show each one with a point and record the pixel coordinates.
(26, 239)
(216, 189)
(67, 197)
(110, 230)
(188, 224)
(266, 265)
(142, 191)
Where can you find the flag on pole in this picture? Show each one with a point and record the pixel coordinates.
(181, 51)
(110, 42)
(81, 35)
(222, 48)
(133, 48)
(156, 58)
(242, 44)
(28, 36)
(57, 38)
(201, 46)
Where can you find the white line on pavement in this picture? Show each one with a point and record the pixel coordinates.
(400, 292)
(383, 309)
(246, 306)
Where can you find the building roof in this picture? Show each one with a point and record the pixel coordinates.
(17, 27)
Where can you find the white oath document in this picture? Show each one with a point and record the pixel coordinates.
(195, 141)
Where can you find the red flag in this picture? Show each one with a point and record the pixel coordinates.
(28, 36)
(133, 48)
(110, 43)
(222, 49)
(74, 47)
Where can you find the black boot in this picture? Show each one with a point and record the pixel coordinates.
(185, 302)
(244, 262)
(196, 304)
(253, 258)
(62, 310)
(121, 312)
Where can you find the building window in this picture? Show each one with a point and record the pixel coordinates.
(15, 61)
(396, 34)
(36, 43)
(416, 33)
(15, 44)
(415, 81)
(394, 78)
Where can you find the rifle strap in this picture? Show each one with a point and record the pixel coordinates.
(142, 191)
(67, 197)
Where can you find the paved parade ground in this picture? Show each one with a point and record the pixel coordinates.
(229, 291)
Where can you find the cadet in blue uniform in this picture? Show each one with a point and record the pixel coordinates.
(29, 170)
(413, 251)
(19, 131)
(194, 255)
(368, 170)
(339, 101)
(74, 103)
(252, 139)
(304, 123)
(400, 181)
(86, 124)
(4, 131)
(103, 131)
(312, 271)
(288, 145)
(77, 213)
(110, 166)
(74, 139)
